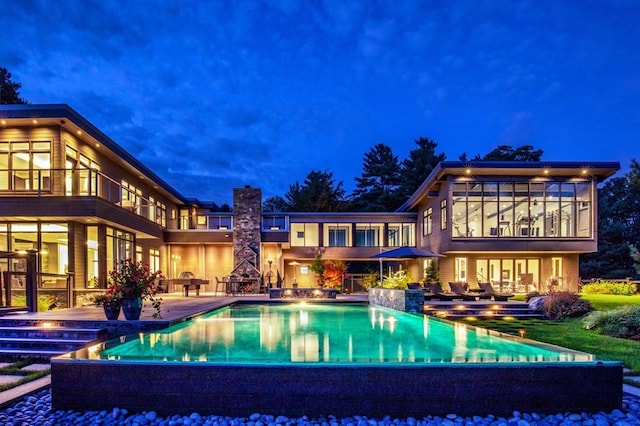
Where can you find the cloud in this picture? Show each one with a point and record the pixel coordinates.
(215, 95)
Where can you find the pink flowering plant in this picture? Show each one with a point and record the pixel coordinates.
(131, 279)
(113, 294)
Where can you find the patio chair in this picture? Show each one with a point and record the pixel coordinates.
(498, 297)
(428, 294)
(438, 292)
(482, 294)
(220, 286)
(460, 289)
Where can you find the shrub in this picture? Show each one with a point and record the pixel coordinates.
(563, 304)
(398, 280)
(620, 322)
(606, 287)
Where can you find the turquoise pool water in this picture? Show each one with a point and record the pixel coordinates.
(328, 333)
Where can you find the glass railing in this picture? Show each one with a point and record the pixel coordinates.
(77, 182)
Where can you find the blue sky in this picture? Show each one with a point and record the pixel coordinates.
(214, 95)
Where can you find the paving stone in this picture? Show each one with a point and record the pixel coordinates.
(6, 379)
(36, 367)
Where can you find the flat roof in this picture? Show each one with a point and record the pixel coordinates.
(599, 169)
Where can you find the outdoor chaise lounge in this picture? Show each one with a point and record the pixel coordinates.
(460, 289)
(498, 297)
(428, 294)
(438, 292)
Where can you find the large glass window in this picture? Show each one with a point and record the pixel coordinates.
(4, 166)
(369, 234)
(401, 234)
(54, 248)
(92, 257)
(583, 209)
(154, 259)
(131, 197)
(338, 235)
(443, 214)
(25, 166)
(522, 209)
(221, 222)
(119, 246)
(274, 223)
(427, 221)
(516, 275)
(459, 210)
(490, 210)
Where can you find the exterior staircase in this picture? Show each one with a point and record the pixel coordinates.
(42, 339)
(479, 309)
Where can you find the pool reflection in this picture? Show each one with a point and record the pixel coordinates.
(328, 333)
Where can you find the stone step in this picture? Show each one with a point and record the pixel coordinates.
(52, 332)
(61, 345)
(31, 353)
(32, 339)
(484, 309)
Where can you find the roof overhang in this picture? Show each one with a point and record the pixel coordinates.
(531, 169)
(29, 115)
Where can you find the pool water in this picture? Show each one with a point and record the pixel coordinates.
(329, 333)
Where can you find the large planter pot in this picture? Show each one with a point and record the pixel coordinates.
(112, 309)
(132, 308)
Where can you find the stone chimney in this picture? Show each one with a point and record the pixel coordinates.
(247, 217)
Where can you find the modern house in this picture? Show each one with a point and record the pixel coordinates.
(79, 200)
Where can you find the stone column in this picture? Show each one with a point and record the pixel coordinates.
(247, 216)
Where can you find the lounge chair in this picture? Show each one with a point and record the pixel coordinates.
(460, 289)
(428, 294)
(498, 297)
(438, 292)
(482, 292)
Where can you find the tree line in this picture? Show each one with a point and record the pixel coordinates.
(386, 182)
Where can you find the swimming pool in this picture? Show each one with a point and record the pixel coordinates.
(340, 359)
(320, 333)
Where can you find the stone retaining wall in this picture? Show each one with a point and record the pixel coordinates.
(400, 300)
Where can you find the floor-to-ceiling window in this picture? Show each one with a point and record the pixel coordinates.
(120, 245)
(520, 275)
(522, 209)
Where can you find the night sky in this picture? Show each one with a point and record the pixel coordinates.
(222, 94)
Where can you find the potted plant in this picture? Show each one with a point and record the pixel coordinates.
(111, 301)
(137, 284)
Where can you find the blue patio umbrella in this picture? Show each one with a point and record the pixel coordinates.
(406, 252)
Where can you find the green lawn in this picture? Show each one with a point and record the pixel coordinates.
(570, 333)
(604, 302)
